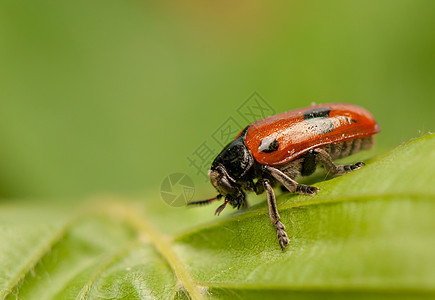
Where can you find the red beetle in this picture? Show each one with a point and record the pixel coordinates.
(282, 147)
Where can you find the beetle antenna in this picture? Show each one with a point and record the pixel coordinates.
(206, 201)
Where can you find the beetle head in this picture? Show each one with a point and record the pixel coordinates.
(229, 170)
(226, 188)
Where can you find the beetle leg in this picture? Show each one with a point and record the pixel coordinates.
(325, 159)
(274, 215)
(289, 183)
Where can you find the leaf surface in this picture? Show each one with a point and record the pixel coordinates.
(370, 233)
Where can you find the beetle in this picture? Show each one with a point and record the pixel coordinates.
(280, 148)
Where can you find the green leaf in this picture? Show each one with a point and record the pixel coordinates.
(370, 233)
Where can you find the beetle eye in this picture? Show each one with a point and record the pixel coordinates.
(222, 183)
(226, 186)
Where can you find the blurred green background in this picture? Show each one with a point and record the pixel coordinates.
(112, 96)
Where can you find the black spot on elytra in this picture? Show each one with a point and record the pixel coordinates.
(319, 120)
(320, 112)
(268, 145)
